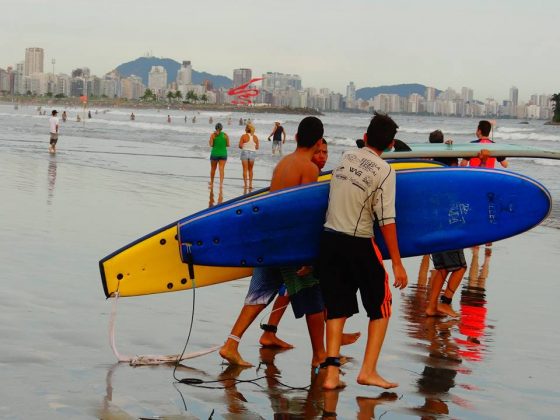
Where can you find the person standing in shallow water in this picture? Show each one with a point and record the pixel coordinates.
(53, 123)
(249, 144)
(278, 138)
(219, 142)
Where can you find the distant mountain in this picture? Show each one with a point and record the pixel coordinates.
(401, 90)
(141, 67)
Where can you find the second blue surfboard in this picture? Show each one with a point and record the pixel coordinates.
(437, 210)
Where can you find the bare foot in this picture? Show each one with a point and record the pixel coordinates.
(333, 382)
(270, 340)
(350, 338)
(434, 313)
(374, 379)
(447, 310)
(233, 357)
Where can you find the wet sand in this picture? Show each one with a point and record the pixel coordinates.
(59, 218)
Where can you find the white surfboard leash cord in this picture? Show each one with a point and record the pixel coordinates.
(148, 359)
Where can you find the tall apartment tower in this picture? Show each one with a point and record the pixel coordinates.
(430, 93)
(514, 96)
(467, 94)
(184, 74)
(241, 76)
(33, 61)
(157, 78)
(351, 92)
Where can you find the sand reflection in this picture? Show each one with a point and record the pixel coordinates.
(212, 201)
(51, 176)
(449, 343)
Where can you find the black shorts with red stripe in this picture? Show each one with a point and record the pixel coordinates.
(347, 264)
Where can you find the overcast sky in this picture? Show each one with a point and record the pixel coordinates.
(485, 45)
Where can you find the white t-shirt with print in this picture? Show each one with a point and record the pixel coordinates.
(362, 189)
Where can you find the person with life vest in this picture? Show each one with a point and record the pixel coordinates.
(483, 160)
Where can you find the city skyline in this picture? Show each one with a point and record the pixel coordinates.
(488, 47)
(35, 57)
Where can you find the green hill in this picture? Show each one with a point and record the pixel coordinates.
(406, 89)
(141, 67)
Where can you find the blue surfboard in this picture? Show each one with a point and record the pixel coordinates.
(437, 210)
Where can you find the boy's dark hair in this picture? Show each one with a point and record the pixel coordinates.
(436, 137)
(381, 131)
(485, 127)
(309, 131)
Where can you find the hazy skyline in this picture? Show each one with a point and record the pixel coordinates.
(488, 46)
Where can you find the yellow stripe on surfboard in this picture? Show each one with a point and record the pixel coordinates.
(154, 265)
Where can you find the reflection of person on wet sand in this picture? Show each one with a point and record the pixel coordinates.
(235, 399)
(473, 307)
(442, 353)
(52, 178)
(211, 201)
(308, 407)
(366, 405)
(278, 401)
(438, 376)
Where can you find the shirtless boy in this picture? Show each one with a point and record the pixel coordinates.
(294, 169)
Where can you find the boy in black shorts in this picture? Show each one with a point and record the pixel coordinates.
(445, 262)
(362, 189)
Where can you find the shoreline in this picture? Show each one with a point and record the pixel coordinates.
(133, 104)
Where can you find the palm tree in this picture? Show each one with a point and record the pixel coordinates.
(170, 95)
(178, 95)
(148, 95)
(204, 98)
(556, 107)
(191, 96)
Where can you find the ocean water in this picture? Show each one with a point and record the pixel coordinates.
(114, 180)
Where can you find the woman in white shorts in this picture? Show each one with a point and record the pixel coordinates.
(249, 144)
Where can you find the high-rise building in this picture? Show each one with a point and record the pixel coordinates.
(208, 85)
(18, 78)
(514, 96)
(241, 76)
(350, 93)
(157, 79)
(280, 81)
(184, 74)
(467, 94)
(33, 61)
(4, 81)
(430, 93)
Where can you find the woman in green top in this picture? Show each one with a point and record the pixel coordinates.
(219, 141)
